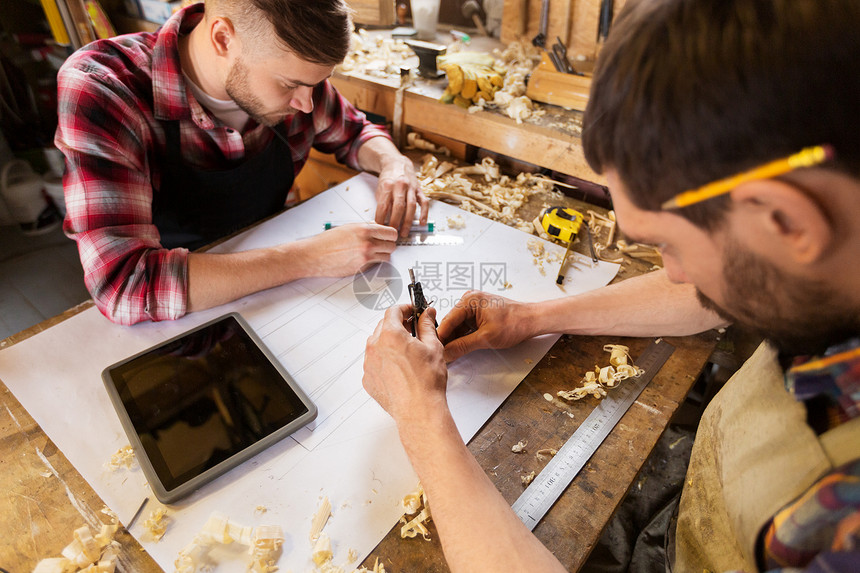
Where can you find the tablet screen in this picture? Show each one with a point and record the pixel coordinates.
(202, 398)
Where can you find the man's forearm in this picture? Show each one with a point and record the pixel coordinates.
(648, 305)
(376, 152)
(216, 279)
(477, 528)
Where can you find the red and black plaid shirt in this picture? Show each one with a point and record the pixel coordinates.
(112, 95)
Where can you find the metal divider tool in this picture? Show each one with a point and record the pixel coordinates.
(419, 235)
(548, 486)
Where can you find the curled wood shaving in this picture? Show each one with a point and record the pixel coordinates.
(320, 519)
(642, 251)
(122, 458)
(156, 523)
(456, 222)
(519, 447)
(528, 478)
(416, 526)
(541, 257)
(352, 556)
(412, 502)
(415, 141)
(264, 544)
(481, 188)
(595, 382)
(377, 56)
(322, 552)
(517, 61)
(86, 552)
(545, 453)
(415, 502)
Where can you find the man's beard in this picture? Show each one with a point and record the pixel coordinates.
(239, 89)
(798, 316)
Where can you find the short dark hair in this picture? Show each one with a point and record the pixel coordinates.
(317, 31)
(686, 92)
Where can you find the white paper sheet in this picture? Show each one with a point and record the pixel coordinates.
(317, 328)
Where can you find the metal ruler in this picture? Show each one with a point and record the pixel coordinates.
(428, 239)
(548, 486)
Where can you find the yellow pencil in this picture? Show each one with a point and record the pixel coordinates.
(807, 157)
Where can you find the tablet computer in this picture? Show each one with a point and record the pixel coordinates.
(203, 402)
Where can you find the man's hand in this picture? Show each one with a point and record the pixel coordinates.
(398, 195)
(407, 375)
(481, 320)
(346, 250)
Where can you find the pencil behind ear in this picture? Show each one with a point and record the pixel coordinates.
(786, 221)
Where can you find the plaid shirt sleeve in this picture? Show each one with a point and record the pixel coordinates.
(104, 133)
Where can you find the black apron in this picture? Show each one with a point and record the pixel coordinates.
(194, 207)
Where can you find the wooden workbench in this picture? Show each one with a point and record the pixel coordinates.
(45, 498)
(551, 142)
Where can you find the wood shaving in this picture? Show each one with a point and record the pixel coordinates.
(264, 544)
(528, 478)
(415, 141)
(648, 253)
(322, 552)
(517, 61)
(415, 502)
(455, 223)
(481, 188)
(320, 519)
(122, 458)
(157, 522)
(412, 502)
(545, 453)
(541, 257)
(595, 382)
(352, 556)
(86, 552)
(519, 447)
(377, 56)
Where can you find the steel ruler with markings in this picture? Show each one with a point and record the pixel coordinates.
(428, 240)
(548, 486)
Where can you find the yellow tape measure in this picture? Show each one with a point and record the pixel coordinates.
(562, 223)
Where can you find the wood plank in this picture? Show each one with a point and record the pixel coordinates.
(575, 21)
(367, 94)
(550, 86)
(543, 146)
(373, 12)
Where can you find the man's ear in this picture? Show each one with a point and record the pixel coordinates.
(223, 37)
(785, 220)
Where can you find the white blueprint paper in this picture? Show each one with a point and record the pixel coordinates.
(317, 328)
